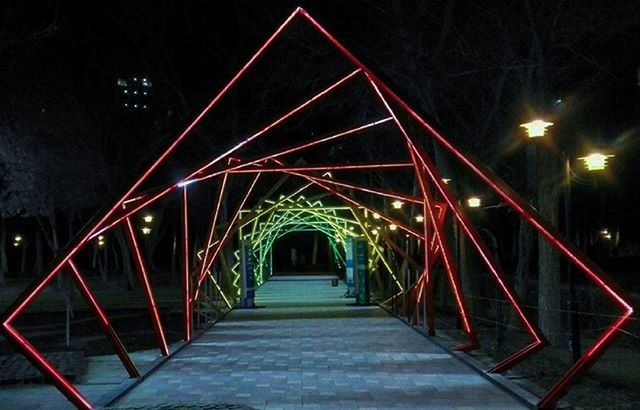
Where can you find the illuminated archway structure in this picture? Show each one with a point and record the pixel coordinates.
(404, 120)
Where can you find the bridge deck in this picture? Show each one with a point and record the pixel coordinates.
(306, 349)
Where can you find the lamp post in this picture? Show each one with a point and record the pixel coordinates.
(594, 162)
(574, 318)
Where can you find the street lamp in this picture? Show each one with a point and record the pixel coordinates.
(536, 128)
(474, 202)
(596, 161)
(148, 218)
(419, 218)
(146, 230)
(393, 227)
(397, 204)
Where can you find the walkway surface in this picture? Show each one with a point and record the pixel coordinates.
(306, 348)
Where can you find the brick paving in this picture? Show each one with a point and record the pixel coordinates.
(17, 369)
(307, 348)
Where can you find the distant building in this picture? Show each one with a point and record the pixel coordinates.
(135, 92)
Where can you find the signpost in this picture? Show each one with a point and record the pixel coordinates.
(351, 287)
(361, 274)
(247, 281)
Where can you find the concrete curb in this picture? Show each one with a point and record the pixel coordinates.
(111, 397)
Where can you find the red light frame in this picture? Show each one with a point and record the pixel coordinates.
(425, 167)
(186, 270)
(148, 292)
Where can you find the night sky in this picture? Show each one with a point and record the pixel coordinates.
(473, 69)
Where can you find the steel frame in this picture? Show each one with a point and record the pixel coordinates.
(431, 233)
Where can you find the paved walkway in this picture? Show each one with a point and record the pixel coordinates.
(307, 349)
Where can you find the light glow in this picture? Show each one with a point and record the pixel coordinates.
(474, 202)
(596, 161)
(536, 128)
(397, 204)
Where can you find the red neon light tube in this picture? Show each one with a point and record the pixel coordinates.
(276, 122)
(186, 280)
(212, 226)
(104, 322)
(322, 168)
(148, 293)
(400, 225)
(295, 149)
(225, 237)
(472, 234)
(46, 368)
(447, 259)
(394, 195)
(525, 210)
(38, 284)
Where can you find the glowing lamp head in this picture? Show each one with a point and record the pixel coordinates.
(393, 227)
(596, 161)
(374, 231)
(148, 218)
(146, 230)
(101, 243)
(446, 180)
(536, 128)
(397, 204)
(376, 216)
(474, 202)
(17, 238)
(419, 218)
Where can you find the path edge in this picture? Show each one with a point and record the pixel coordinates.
(111, 397)
(503, 383)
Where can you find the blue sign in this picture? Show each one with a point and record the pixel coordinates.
(351, 287)
(361, 274)
(247, 281)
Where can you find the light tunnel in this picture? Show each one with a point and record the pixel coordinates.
(211, 284)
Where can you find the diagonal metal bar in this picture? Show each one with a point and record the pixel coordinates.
(425, 164)
(83, 287)
(225, 237)
(213, 223)
(186, 271)
(299, 147)
(148, 292)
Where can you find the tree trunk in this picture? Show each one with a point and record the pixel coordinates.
(38, 267)
(4, 263)
(525, 243)
(469, 278)
(549, 290)
(126, 259)
(314, 253)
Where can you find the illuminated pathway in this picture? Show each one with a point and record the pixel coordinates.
(306, 349)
